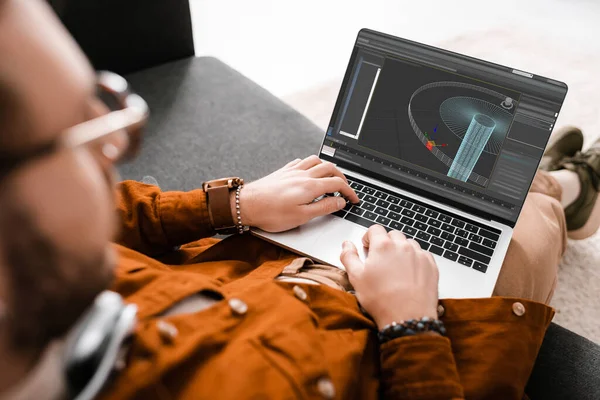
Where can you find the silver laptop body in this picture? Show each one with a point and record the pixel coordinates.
(438, 145)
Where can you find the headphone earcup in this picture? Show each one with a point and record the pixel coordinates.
(93, 345)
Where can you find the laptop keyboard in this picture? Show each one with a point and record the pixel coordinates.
(453, 237)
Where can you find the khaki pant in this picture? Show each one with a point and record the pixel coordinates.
(531, 264)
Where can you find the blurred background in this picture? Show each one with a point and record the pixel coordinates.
(288, 46)
(299, 51)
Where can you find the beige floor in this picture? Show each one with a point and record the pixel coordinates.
(577, 298)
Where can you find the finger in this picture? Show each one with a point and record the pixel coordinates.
(414, 244)
(309, 162)
(436, 273)
(430, 258)
(324, 206)
(429, 267)
(375, 232)
(335, 184)
(324, 170)
(434, 265)
(396, 236)
(350, 258)
(292, 163)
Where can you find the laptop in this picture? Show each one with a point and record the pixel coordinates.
(438, 145)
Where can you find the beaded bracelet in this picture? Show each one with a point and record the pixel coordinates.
(240, 227)
(410, 327)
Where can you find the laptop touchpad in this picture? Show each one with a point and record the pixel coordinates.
(328, 246)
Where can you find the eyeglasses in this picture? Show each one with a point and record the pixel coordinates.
(117, 133)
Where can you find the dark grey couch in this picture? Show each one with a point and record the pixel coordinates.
(210, 121)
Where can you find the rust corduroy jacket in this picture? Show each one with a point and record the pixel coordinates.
(280, 346)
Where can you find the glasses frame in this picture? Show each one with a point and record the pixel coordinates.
(130, 118)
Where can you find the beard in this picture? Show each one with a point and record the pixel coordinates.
(49, 287)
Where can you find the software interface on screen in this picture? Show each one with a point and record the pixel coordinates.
(471, 131)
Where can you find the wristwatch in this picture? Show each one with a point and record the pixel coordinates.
(219, 207)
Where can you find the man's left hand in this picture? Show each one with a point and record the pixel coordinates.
(284, 199)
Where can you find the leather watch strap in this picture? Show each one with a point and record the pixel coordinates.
(219, 207)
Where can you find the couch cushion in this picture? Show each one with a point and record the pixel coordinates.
(209, 121)
(567, 367)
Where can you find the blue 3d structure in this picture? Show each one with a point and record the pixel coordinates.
(477, 135)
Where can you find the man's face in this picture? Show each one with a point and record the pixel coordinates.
(59, 218)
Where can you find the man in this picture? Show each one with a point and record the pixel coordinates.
(238, 318)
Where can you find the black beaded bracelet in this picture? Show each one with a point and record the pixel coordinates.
(410, 327)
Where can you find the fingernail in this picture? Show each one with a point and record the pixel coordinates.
(344, 244)
(341, 203)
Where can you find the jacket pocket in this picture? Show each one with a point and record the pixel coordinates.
(297, 354)
(238, 371)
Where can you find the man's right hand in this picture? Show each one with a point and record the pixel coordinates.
(397, 282)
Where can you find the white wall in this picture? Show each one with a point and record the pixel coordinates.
(288, 46)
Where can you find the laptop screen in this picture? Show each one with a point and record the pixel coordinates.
(466, 132)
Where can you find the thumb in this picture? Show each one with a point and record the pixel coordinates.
(350, 259)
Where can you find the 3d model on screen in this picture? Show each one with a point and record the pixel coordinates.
(480, 125)
(473, 142)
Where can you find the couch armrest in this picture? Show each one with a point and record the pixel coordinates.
(567, 367)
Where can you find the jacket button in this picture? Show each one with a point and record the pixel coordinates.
(167, 331)
(518, 309)
(300, 293)
(238, 306)
(440, 310)
(326, 388)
